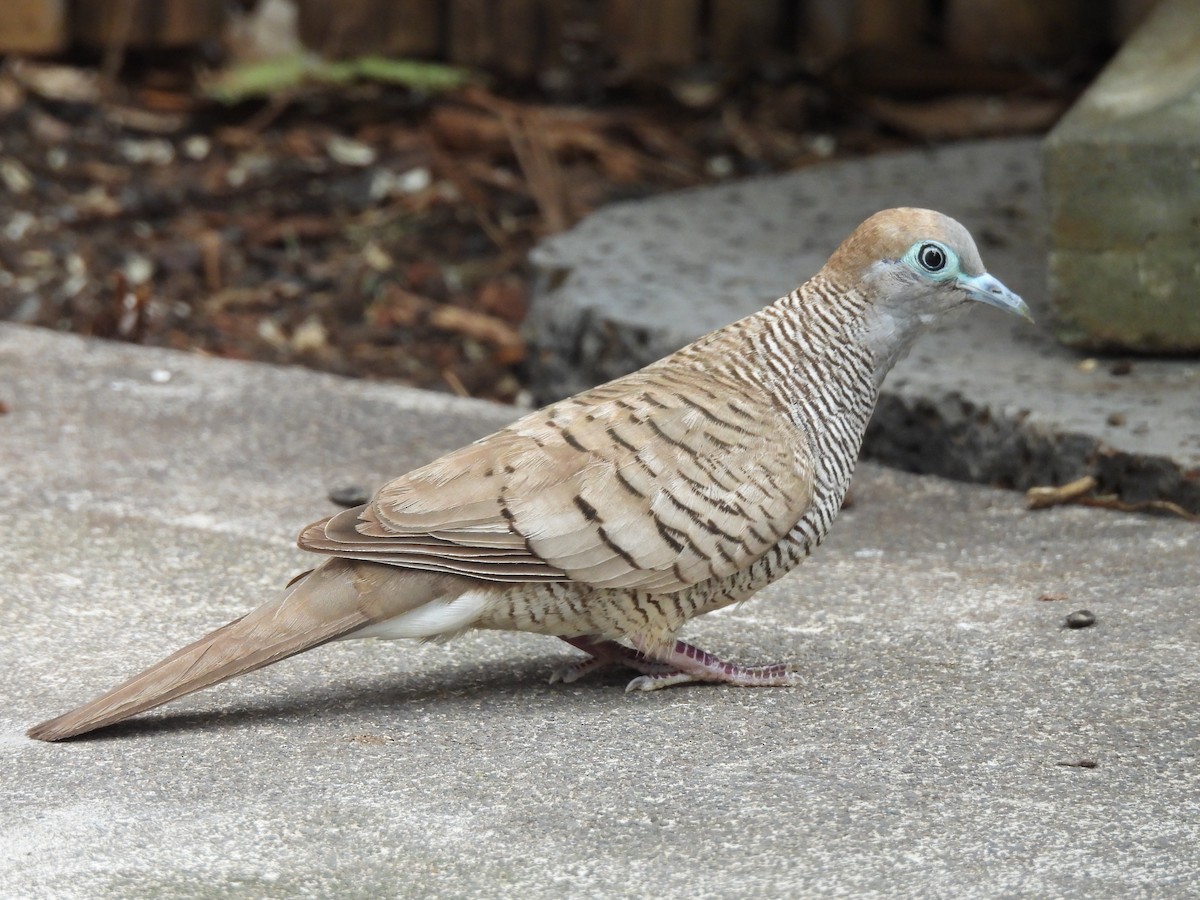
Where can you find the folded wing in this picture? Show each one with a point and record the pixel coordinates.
(638, 484)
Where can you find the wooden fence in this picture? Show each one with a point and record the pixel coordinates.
(629, 37)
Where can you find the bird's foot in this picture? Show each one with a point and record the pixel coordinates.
(691, 664)
(603, 654)
(576, 670)
(681, 664)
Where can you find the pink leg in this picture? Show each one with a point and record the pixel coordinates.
(682, 664)
(691, 664)
(603, 654)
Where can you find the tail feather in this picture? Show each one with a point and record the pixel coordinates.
(332, 601)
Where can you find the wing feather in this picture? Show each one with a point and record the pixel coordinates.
(637, 487)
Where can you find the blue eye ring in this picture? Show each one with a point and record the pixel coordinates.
(933, 259)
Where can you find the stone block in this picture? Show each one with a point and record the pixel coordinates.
(1123, 182)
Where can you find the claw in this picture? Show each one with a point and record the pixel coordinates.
(657, 682)
(576, 670)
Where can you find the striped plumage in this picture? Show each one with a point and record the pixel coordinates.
(611, 518)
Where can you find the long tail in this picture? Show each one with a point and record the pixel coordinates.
(336, 598)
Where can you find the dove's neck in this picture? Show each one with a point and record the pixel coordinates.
(888, 336)
(828, 368)
(809, 350)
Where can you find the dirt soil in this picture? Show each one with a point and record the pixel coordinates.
(366, 230)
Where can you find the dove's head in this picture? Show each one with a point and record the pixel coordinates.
(915, 265)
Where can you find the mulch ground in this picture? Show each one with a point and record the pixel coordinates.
(366, 230)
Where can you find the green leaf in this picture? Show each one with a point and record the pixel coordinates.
(420, 76)
(289, 73)
(260, 79)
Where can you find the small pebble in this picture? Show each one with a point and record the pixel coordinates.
(719, 166)
(19, 224)
(197, 147)
(697, 93)
(1121, 367)
(349, 152)
(823, 145)
(1081, 618)
(155, 151)
(349, 495)
(309, 336)
(138, 269)
(15, 177)
(1115, 419)
(377, 258)
(415, 180)
(270, 331)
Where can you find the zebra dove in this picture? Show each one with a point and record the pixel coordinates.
(612, 518)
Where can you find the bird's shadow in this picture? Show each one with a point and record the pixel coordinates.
(450, 686)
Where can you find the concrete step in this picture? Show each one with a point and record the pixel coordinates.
(985, 398)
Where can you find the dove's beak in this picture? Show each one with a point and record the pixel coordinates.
(987, 289)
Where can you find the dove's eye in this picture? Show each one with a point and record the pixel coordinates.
(931, 257)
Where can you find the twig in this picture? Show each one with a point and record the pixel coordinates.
(1077, 492)
(539, 164)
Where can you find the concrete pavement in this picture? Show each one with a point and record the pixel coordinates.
(933, 749)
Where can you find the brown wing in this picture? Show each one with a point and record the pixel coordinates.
(652, 483)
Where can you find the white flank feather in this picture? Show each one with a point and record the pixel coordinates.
(435, 619)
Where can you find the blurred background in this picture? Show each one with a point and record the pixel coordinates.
(354, 186)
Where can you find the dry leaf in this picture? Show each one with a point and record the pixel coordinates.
(1077, 492)
(958, 118)
(506, 341)
(1043, 497)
